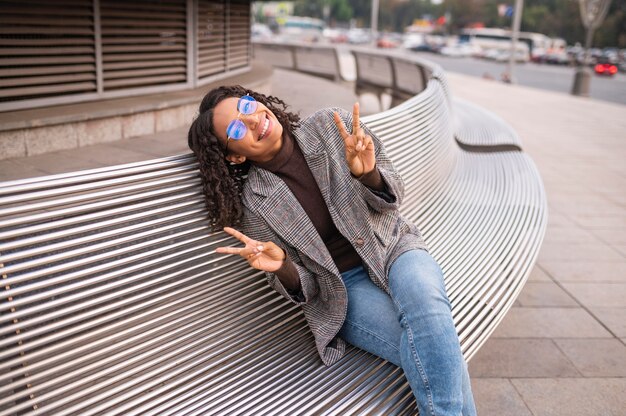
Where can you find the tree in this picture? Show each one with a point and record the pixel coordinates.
(463, 12)
(340, 10)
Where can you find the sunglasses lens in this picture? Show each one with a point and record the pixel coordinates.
(247, 105)
(236, 130)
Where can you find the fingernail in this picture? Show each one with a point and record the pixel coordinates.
(260, 247)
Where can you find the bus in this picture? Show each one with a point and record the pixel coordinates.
(302, 28)
(537, 44)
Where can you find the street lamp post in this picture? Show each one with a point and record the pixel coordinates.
(592, 13)
(374, 24)
(517, 21)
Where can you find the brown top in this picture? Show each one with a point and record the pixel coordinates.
(289, 165)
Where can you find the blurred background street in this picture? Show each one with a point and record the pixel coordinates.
(467, 37)
(561, 349)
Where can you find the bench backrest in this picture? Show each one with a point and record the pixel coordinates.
(318, 60)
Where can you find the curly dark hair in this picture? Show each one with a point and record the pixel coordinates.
(222, 181)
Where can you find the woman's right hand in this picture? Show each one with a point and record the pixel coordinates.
(265, 256)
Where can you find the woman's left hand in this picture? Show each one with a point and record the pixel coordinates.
(359, 146)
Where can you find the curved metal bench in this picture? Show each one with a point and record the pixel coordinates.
(116, 303)
(399, 75)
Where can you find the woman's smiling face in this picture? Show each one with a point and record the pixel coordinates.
(263, 138)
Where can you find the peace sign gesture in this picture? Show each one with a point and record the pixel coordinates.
(262, 256)
(359, 146)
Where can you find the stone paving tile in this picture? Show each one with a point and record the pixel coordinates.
(175, 140)
(559, 220)
(598, 180)
(176, 137)
(549, 323)
(110, 155)
(613, 318)
(564, 185)
(153, 148)
(618, 198)
(595, 357)
(333, 95)
(621, 248)
(569, 235)
(584, 204)
(585, 271)
(520, 358)
(61, 162)
(538, 275)
(14, 169)
(544, 294)
(497, 397)
(588, 251)
(573, 396)
(600, 221)
(610, 295)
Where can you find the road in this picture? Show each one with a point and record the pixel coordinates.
(548, 77)
(543, 76)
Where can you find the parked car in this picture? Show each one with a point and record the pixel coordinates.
(504, 56)
(611, 55)
(558, 57)
(359, 36)
(425, 47)
(388, 40)
(336, 35)
(261, 32)
(413, 40)
(386, 43)
(606, 69)
(459, 50)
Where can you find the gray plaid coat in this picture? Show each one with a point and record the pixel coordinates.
(374, 226)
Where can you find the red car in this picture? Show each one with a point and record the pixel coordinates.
(605, 69)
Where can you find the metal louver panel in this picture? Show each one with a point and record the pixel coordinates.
(61, 52)
(238, 33)
(211, 37)
(223, 36)
(46, 49)
(143, 43)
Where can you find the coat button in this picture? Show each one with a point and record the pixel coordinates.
(359, 242)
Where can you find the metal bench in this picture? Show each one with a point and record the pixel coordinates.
(397, 75)
(403, 76)
(115, 302)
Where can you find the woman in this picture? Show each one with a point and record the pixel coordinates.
(318, 206)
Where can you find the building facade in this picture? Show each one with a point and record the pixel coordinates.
(59, 52)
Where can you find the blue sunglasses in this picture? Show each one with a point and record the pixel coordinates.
(237, 129)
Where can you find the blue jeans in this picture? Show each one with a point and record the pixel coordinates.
(412, 329)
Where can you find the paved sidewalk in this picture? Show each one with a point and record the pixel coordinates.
(561, 349)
